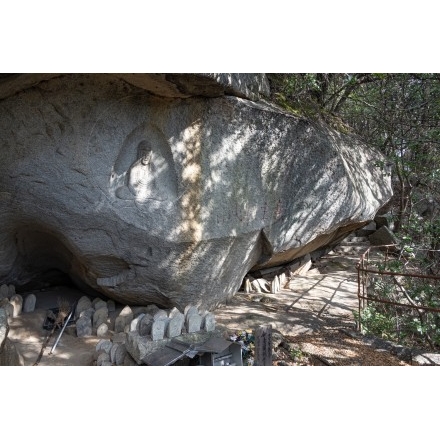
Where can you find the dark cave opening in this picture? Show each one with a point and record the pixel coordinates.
(46, 267)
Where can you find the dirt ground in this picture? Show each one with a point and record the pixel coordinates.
(311, 317)
(27, 332)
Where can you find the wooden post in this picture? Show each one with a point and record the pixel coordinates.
(263, 346)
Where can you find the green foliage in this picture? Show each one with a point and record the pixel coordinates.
(297, 355)
(375, 322)
(399, 115)
(404, 325)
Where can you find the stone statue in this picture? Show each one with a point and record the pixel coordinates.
(141, 175)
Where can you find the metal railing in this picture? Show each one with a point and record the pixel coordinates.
(398, 286)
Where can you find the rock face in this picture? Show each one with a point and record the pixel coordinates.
(169, 200)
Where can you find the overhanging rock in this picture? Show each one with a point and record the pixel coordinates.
(151, 199)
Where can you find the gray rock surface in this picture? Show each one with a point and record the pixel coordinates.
(4, 326)
(120, 354)
(29, 303)
(145, 325)
(102, 330)
(8, 307)
(84, 326)
(138, 346)
(104, 345)
(245, 85)
(4, 291)
(100, 317)
(88, 313)
(100, 304)
(208, 322)
(153, 200)
(193, 323)
(103, 360)
(84, 303)
(111, 305)
(382, 237)
(174, 327)
(158, 329)
(9, 355)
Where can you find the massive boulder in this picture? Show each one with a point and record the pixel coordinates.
(169, 194)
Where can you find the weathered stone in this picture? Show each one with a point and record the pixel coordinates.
(120, 324)
(4, 326)
(174, 327)
(148, 201)
(17, 302)
(134, 325)
(120, 354)
(111, 305)
(129, 361)
(84, 303)
(103, 360)
(174, 312)
(208, 322)
(9, 308)
(88, 313)
(9, 355)
(105, 345)
(127, 314)
(244, 85)
(4, 291)
(138, 310)
(145, 325)
(190, 310)
(138, 346)
(383, 236)
(367, 230)
(158, 330)
(99, 317)
(11, 292)
(113, 351)
(102, 330)
(100, 304)
(193, 323)
(83, 326)
(383, 220)
(180, 317)
(151, 309)
(105, 364)
(119, 337)
(29, 303)
(160, 314)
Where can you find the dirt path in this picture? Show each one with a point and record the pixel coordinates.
(314, 314)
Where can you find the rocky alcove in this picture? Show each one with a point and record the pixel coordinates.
(169, 189)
